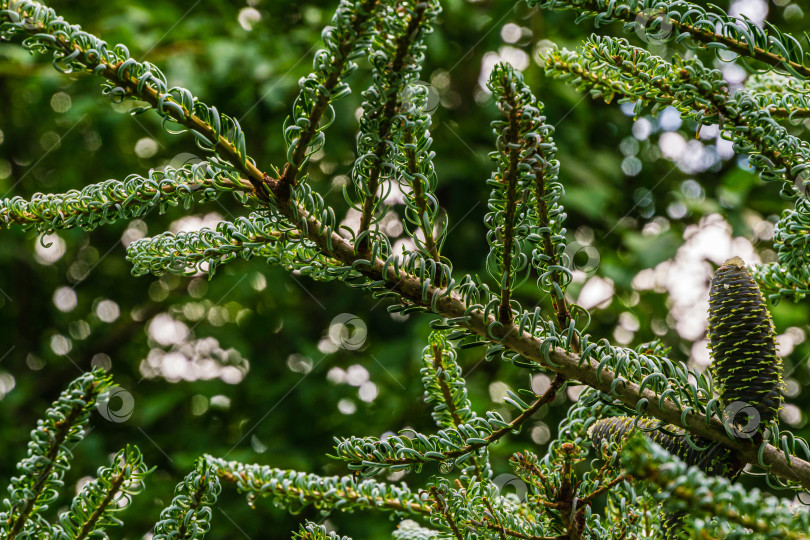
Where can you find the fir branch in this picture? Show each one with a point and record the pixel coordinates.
(94, 509)
(782, 96)
(415, 163)
(782, 106)
(697, 27)
(465, 511)
(565, 496)
(113, 200)
(701, 94)
(76, 50)
(295, 490)
(419, 197)
(514, 146)
(41, 473)
(557, 493)
(440, 505)
(258, 235)
(312, 531)
(396, 59)
(371, 455)
(509, 532)
(411, 530)
(789, 277)
(555, 489)
(323, 234)
(446, 389)
(681, 487)
(570, 67)
(604, 487)
(346, 38)
(188, 516)
(554, 276)
(444, 383)
(549, 254)
(527, 164)
(775, 82)
(526, 467)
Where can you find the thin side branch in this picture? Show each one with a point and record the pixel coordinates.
(510, 180)
(289, 174)
(419, 193)
(404, 42)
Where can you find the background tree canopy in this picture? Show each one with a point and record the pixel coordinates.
(243, 366)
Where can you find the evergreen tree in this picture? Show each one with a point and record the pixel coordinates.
(670, 441)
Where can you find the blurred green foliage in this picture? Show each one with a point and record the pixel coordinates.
(57, 132)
